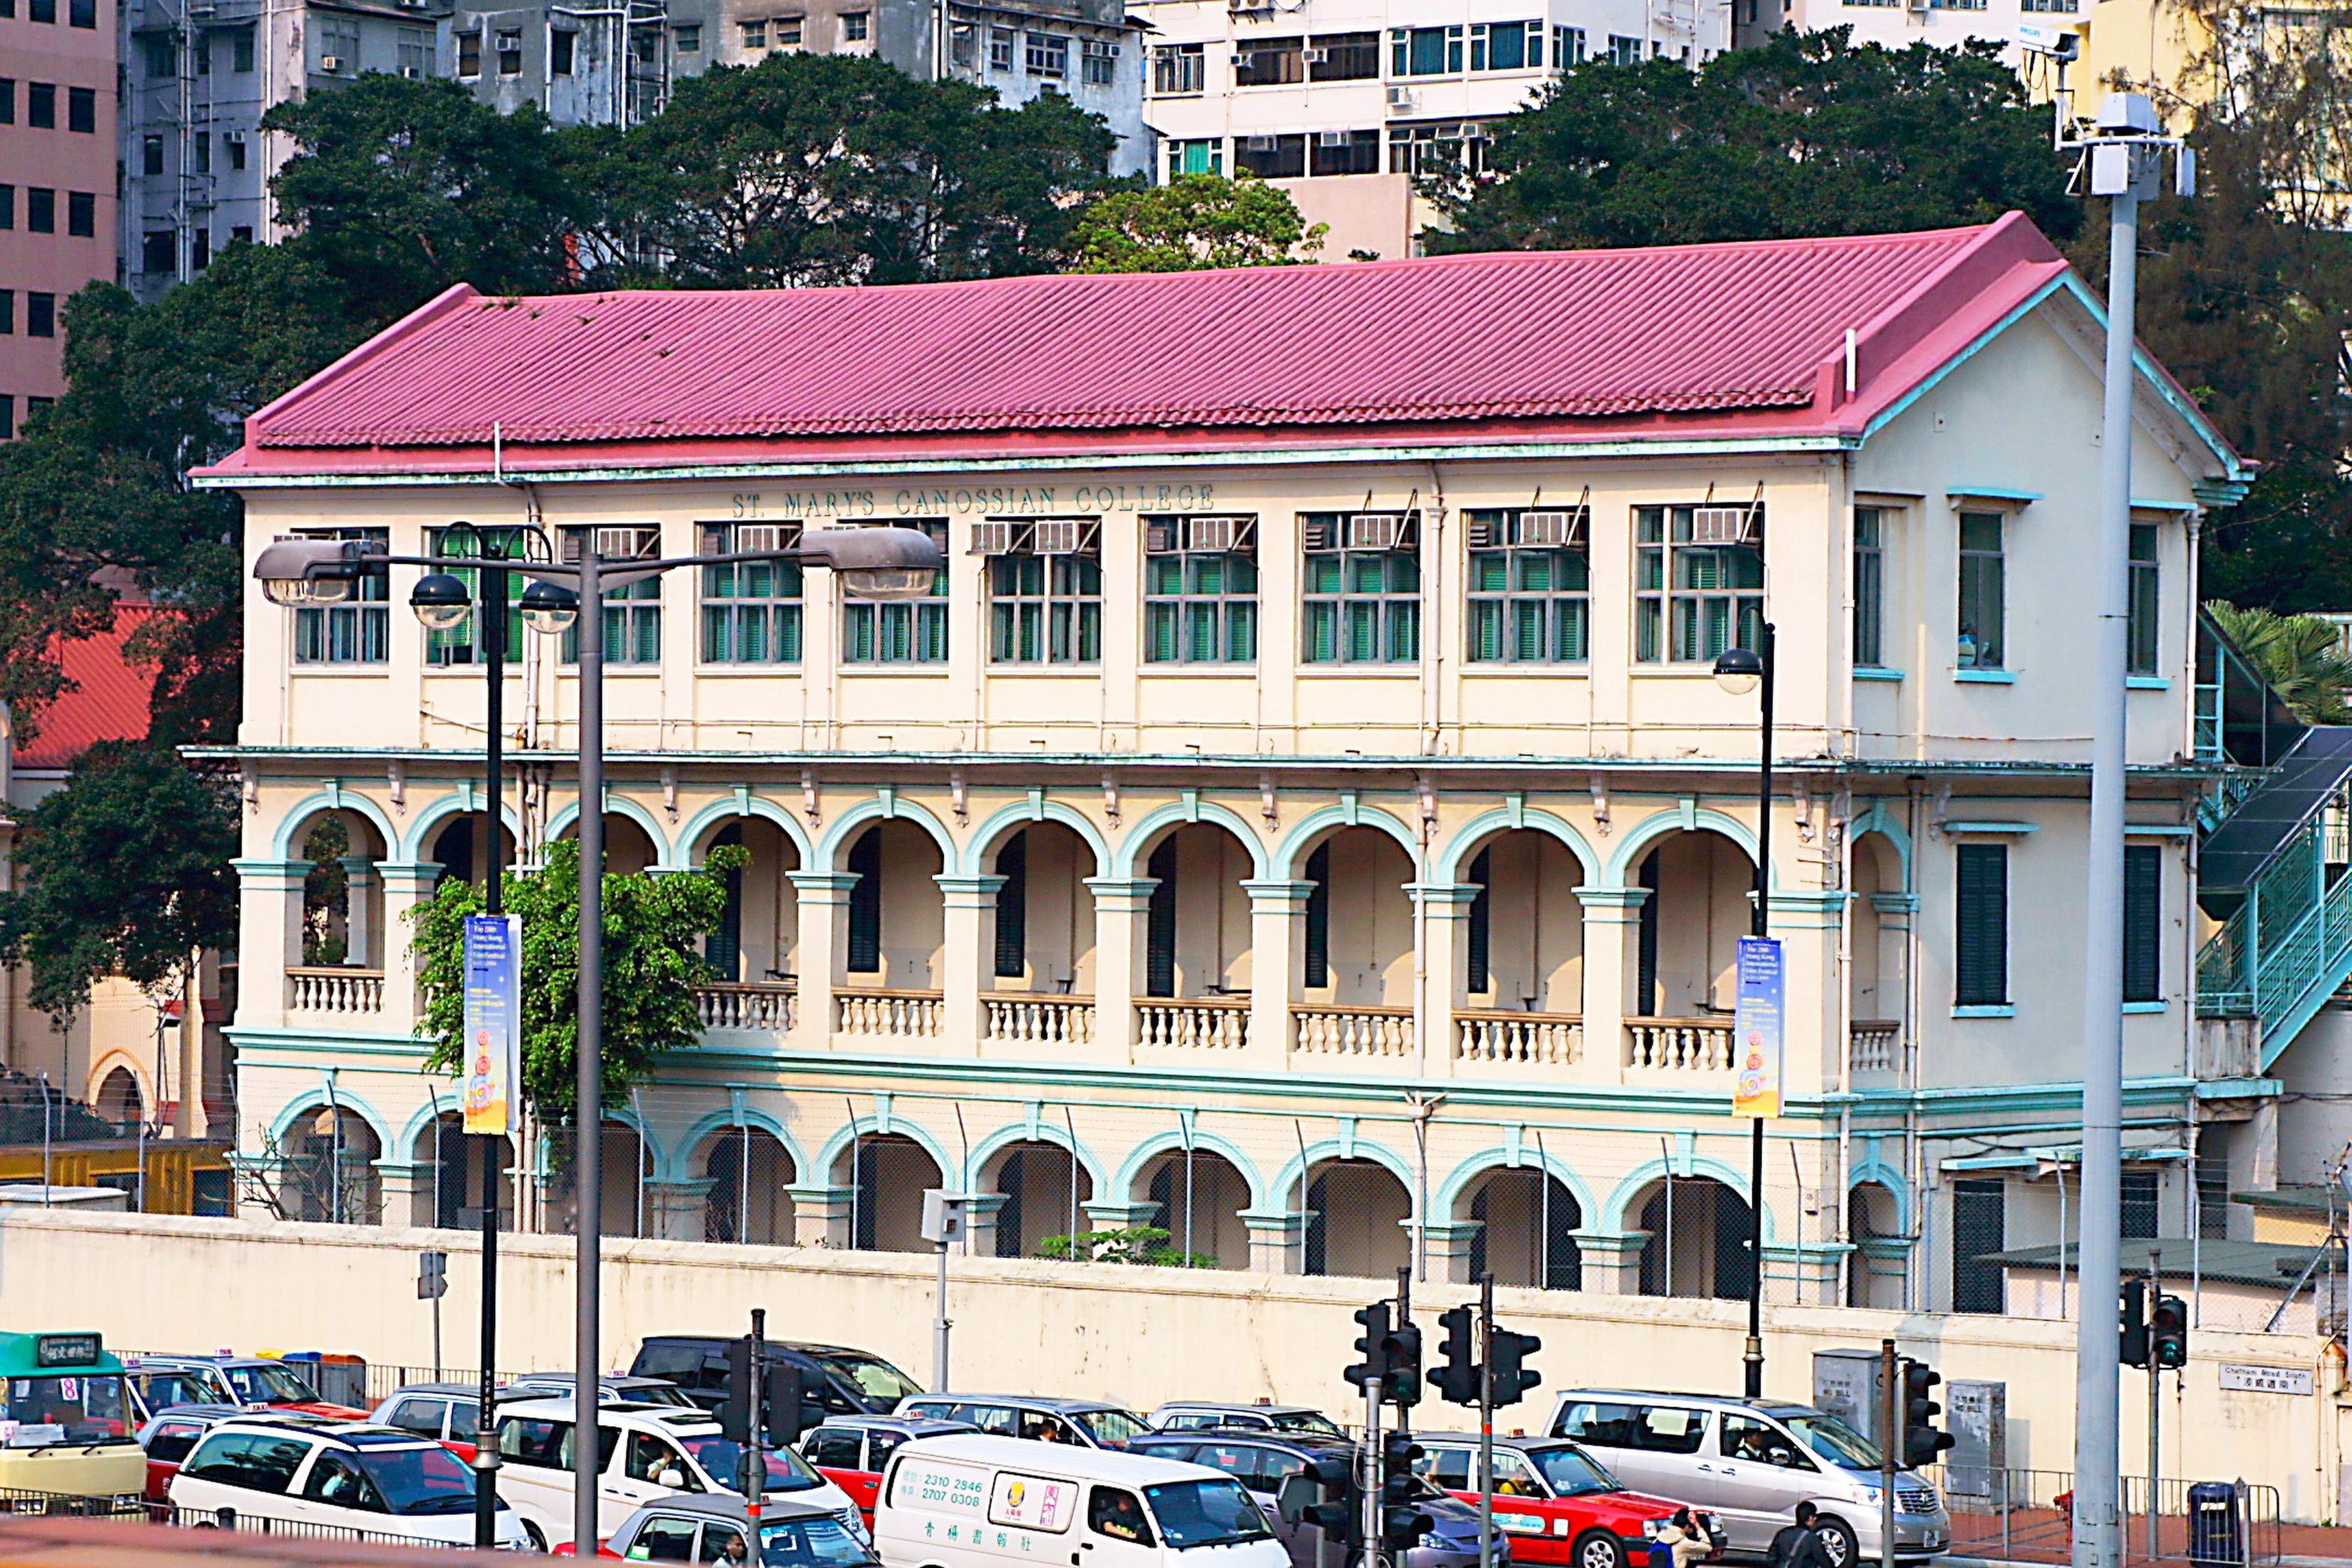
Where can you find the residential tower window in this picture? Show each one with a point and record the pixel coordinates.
(1982, 644)
(1178, 70)
(82, 214)
(632, 610)
(7, 100)
(1566, 47)
(1424, 51)
(82, 14)
(40, 315)
(1363, 581)
(1206, 156)
(356, 630)
(41, 105)
(1047, 57)
(1347, 152)
(1045, 589)
(1437, 148)
(1625, 51)
(1530, 580)
(510, 52)
(912, 631)
(2140, 639)
(857, 25)
(689, 39)
(1699, 582)
(240, 51)
(1000, 49)
(463, 644)
(1980, 908)
(562, 44)
(1098, 61)
(81, 110)
(1869, 587)
(7, 312)
(1270, 62)
(7, 206)
(470, 54)
(1271, 157)
(1507, 46)
(1200, 590)
(751, 609)
(1343, 56)
(2143, 923)
(42, 11)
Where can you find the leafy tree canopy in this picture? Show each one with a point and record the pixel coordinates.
(1195, 221)
(2302, 656)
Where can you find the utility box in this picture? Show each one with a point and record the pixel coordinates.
(1848, 1385)
(945, 1217)
(1978, 1463)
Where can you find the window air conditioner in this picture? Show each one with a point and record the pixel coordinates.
(331, 64)
(1260, 143)
(1330, 138)
(1241, 62)
(1375, 529)
(991, 536)
(750, 536)
(1318, 57)
(1556, 527)
(411, 73)
(1399, 98)
(1726, 525)
(1219, 535)
(1057, 536)
(638, 543)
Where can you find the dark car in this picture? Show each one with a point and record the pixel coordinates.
(1262, 1461)
(834, 1381)
(851, 1450)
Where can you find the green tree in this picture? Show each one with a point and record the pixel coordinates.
(1145, 1245)
(1805, 134)
(652, 926)
(2302, 656)
(1195, 221)
(124, 871)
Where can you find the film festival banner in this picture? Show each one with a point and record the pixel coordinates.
(1756, 1029)
(493, 1021)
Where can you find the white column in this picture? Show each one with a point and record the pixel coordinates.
(822, 898)
(969, 964)
(269, 936)
(1278, 959)
(1122, 913)
(405, 886)
(1613, 954)
(361, 944)
(1446, 960)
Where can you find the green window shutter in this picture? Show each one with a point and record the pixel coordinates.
(866, 904)
(1982, 963)
(2143, 923)
(1318, 917)
(1159, 922)
(1480, 917)
(1012, 906)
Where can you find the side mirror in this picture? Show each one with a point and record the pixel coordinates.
(1296, 1494)
(673, 1479)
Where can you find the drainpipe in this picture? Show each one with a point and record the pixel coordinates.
(1914, 1171)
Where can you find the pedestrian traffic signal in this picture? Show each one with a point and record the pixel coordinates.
(1339, 1511)
(1373, 1346)
(1456, 1380)
(1509, 1353)
(1403, 1388)
(779, 1391)
(2133, 1350)
(1921, 1441)
(2167, 1333)
(1403, 1521)
(735, 1408)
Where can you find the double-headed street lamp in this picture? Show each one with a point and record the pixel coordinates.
(872, 564)
(1739, 671)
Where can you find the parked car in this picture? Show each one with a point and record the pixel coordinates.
(712, 1530)
(1262, 1461)
(644, 1453)
(1751, 1462)
(451, 1413)
(1208, 1415)
(357, 1477)
(850, 1452)
(1557, 1502)
(834, 1381)
(246, 1382)
(611, 1389)
(979, 1502)
(170, 1435)
(1089, 1423)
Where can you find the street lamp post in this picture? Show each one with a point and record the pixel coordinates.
(872, 564)
(1739, 671)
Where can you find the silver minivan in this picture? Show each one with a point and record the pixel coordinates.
(1753, 1461)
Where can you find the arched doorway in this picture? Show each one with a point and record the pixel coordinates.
(760, 932)
(450, 1197)
(1197, 1196)
(1045, 912)
(1876, 1270)
(750, 1172)
(458, 848)
(1356, 976)
(1698, 1242)
(119, 1099)
(887, 1175)
(1701, 901)
(628, 847)
(1197, 931)
(1524, 938)
(1356, 1216)
(330, 1169)
(1045, 1189)
(1528, 1221)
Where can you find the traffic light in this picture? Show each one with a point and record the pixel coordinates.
(2135, 1322)
(1921, 1441)
(1402, 1522)
(2167, 1333)
(1373, 1346)
(780, 1413)
(1403, 1388)
(735, 1409)
(1509, 1353)
(1340, 1513)
(1456, 1380)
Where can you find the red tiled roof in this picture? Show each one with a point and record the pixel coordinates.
(110, 698)
(1655, 340)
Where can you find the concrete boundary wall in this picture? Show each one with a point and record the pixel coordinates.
(1135, 1335)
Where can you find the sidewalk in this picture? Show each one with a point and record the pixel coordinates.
(2038, 1537)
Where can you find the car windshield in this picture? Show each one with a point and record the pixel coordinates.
(721, 1459)
(1112, 1428)
(1313, 1421)
(1573, 1473)
(1834, 1440)
(878, 1383)
(657, 1393)
(89, 1409)
(810, 1543)
(269, 1386)
(1206, 1513)
(427, 1479)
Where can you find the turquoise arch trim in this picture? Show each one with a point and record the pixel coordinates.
(419, 836)
(718, 1121)
(313, 1097)
(664, 859)
(871, 809)
(838, 1146)
(1673, 819)
(282, 846)
(1457, 1187)
(1447, 868)
(1047, 1131)
(720, 812)
(1881, 821)
(1878, 1173)
(1130, 1174)
(1617, 1218)
(1175, 814)
(1331, 1149)
(1020, 815)
(1315, 823)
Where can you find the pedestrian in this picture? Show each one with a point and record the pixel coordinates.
(1799, 1545)
(1681, 1543)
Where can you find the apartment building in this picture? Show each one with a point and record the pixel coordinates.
(1303, 816)
(56, 185)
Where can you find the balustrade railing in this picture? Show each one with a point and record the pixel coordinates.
(1039, 1020)
(725, 1005)
(1352, 1031)
(892, 1015)
(1198, 1022)
(325, 990)
(1678, 1045)
(1877, 1045)
(1482, 1035)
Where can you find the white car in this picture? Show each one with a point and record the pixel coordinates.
(350, 1477)
(648, 1452)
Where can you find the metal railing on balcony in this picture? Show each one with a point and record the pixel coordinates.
(1023, 1018)
(1877, 1045)
(728, 1004)
(334, 990)
(1194, 1022)
(1678, 1045)
(1493, 1036)
(889, 1014)
(1352, 1031)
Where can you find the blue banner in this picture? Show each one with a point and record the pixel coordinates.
(493, 1021)
(1756, 1029)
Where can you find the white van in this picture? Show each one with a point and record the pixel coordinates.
(992, 1502)
(646, 1453)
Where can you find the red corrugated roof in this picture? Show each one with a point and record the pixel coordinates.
(1682, 334)
(108, 701)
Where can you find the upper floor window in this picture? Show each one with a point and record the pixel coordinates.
(750, 609)
(1530, 579)
(632, 610)
(1982, 587)
(1204, 156)
(1269, 62)
(470, 54)
(1869, 587)
(1097, 62)
(1625, 51)
(1047, 55)
(1566, 47)
(1000, 49)
(1044, 588)
(1178, 69)
(1698, 584)
(563, 44)
(1363, 581)
(911, 631)
(240, 51)
(2140, 638)
(1505, 45)
(1424, 51)
(356, 630)
(1274, 157)
(857, 25)
(1980, 959)
(2143, 923)
(1437, 149)
(1347, 152)
(465, 642)
(1200, 590)
(1343, 56)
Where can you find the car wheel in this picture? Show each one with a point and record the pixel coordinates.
(539, 1542)
(1599, 1548)
(1838, 1542)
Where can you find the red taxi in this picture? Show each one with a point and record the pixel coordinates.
(1556, 1501)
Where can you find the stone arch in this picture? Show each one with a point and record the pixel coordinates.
(837, 1145)
(1362, 1208)
(718, 1121)
(1447, 867)
(665, 855)
(1627, 855)
(1618, 1215)
(1020, 814)
(720, 812)
(418, 842)
(845, 829)
(1131, 1176)
(1044, 1130)
(287, 844)
(436, 1138)
(1698, 1228)
(1878, 819)
(751, 1172)
(1879, 1173)
(1328, 819)
(313, 1101)
(1331, 1150)
(1454, 1191)
(1137, 843)
(1522, 1220)
(121, 1096)
(322, 1179)
(884, 1216)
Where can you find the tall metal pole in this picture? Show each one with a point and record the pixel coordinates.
(1486, 1416)
(1760, 925)
(2098, 1528)
(486, 1448)
(2155, 1385)
(1890, 1440)
(1372, 1472)
(588, 1111)
(755, 1402)
(940, 1327)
